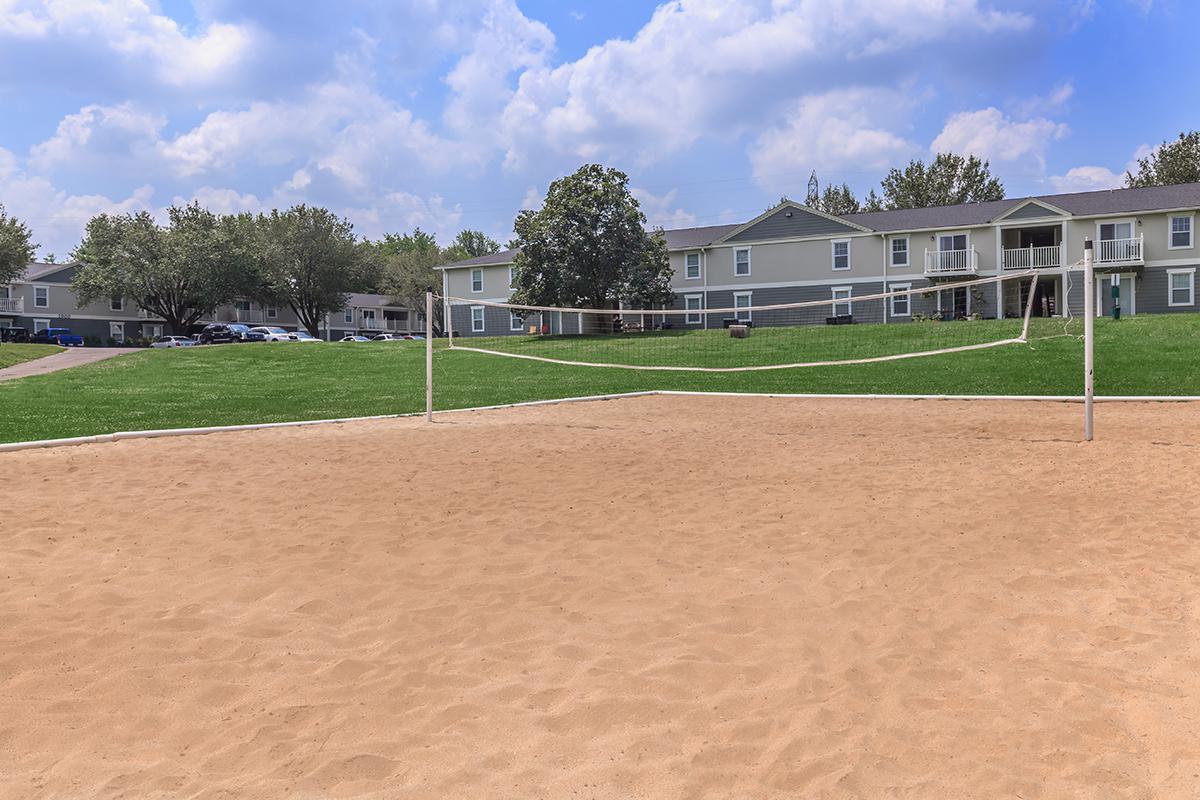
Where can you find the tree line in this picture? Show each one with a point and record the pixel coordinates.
(587, 246)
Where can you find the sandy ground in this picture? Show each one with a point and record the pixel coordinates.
(652, 598)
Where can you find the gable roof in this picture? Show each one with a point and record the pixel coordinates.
(792, 220)
(1032, 209)
(39, 271)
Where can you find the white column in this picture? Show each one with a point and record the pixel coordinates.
(1089, 327)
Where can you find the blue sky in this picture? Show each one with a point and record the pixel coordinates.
(448, 115)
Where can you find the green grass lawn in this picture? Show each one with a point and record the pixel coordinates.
(17, 353)
(233, 384)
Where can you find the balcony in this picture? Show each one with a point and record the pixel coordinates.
(951, 262)
(1114, 252)
(386, 325)
(1025, 258)
(12, 305)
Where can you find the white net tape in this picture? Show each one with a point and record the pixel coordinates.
(839, 329)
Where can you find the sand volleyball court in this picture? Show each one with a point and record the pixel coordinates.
(662, 597)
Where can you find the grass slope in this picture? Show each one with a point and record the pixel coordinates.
(11, 354)
(268, 383)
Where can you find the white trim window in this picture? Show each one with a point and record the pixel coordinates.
(743, 300)
(898, 252)
(116, 303)
(901, 304)
(1181, 287)
(477, 324)
(476, 281)
(840, 252)
(511, 276)
(116, 332)
(693, 302)
(272, 312)
(348, 315)
(515, 322)
(41, 297)
(40, 325)
(841, 300)
(1180, 233)
(741, 261)
(691, 266)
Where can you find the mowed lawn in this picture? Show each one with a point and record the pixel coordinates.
(11, 354)
(232, 384)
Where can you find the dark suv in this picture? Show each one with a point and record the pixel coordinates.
(14, 335)
(226, 332)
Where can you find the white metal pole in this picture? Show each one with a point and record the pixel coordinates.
(1089, 329)
(429, 356)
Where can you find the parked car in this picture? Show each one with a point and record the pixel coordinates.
(416, 337)
(228, 332)
(60, 336)
(246, 333)
(387, 337)
(354, 338)
(15, 335)
(172, 341)
(305, 336)
(272, 333)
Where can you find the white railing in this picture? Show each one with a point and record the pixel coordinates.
(1033, 257)
(951, 262)
(12, 305)
(253, 317)
(1118, 251)
(377, 324)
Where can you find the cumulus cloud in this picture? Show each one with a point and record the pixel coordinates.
(830, 133)
(101, 132)
(990, 134)
(663, 211)
(1086, 179)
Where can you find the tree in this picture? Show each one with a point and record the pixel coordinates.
(1171, 163)
(948, 180)
(16, 250)
(470, 244)
(588, 246)
(179, 272)
(838, 200)
(311, 261)
(872, 202)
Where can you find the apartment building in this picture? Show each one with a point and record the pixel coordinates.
(1145, 244)
(43, 298)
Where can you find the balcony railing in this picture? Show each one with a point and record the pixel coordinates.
(1033, 257)
(12, 305)
(375, 324)
(951, 262)
(1119, 251)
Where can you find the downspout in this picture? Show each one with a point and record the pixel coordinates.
(704, 286)
(887, 304)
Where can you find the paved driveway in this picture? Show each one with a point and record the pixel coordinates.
(72, 357)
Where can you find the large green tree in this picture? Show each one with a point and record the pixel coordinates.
(1171, 163)
(310, 260)
(16, 249)
(947, 180)
(588, 246)
(180, 271)
(470, 244)
(838, 200)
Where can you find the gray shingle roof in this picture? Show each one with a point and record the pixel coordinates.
(38, 271)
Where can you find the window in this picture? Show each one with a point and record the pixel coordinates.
(741, 261)
(1181, 285)
(901, 303)
(841, 254)
(515, 323)
(1110, 231)
(951, 241)
(272, 312)
(348, 315)
(116, 332)
(41, 297)
(40, 325)
(477, 319)
(693, 302)
(153, 331)
(117, 304)
(5, 292)
(241, 305)
(691, 266)
(1181, 233)
(511, 275)
(476, 280)
(899, 252)
(742, 300)
(841, 300)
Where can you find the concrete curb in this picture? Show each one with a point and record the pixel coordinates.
(162, 433)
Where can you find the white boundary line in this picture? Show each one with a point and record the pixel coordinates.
(165, 432)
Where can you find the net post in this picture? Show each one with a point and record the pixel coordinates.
(429, 356)
(1089, 331)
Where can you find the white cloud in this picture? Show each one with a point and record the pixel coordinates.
(1086, 179)
(222, 201)
(403, 211)
(97, 131)
(710, 67)
(663, 211)
(989, 134)
(837, 131)
(131, 30)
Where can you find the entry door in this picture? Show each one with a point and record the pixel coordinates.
(1104, 300)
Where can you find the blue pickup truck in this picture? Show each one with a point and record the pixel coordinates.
(59, 336)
